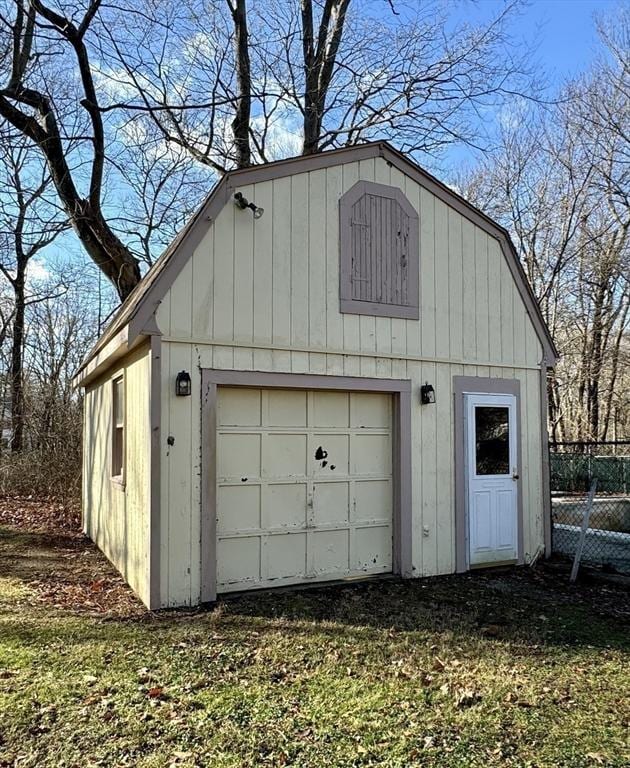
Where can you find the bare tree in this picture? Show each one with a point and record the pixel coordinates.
(42, 48)
(321, 75)
(560, 182)
(58, 329)
(159, 186)
(29, 223)
(232, 84)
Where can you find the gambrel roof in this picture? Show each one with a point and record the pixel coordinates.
(135, 318)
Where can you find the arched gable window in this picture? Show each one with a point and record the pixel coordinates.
(379, 260)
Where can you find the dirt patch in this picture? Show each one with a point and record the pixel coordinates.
(43, 548)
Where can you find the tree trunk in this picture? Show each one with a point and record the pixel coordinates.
(614, 372)
(17, 375)
(240, 124)
(595, 363)
(110, 254)
(319, 64)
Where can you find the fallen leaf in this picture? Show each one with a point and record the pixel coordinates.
(155, 692)
(466, 697)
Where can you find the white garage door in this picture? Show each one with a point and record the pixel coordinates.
(304, 486)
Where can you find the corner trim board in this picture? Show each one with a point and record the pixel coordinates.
(544, 438)
(208, 523)
(155, 416)
(211, 379)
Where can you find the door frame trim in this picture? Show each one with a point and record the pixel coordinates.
(477, 385)
(401, 439)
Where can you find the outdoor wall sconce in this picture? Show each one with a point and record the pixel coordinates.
(427, 394)
(243, 203)
(182, 384)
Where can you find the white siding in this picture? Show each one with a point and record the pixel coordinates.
(117, 518)
(264, 295)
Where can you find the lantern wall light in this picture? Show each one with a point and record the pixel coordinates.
(427, 394)
(182, 384)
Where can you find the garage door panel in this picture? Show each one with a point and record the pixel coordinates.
(331, 503)
(304, 486)
(285, 505)
(373, 500)
(370, 454)
(335, 453)
(286, 408)
(238, 507)
(370, 410)
(238, 561)
(286, 556)
(373, 548)
(329, 552)
(240, 407)
(330, 409)
(284, 455)
(238, 455)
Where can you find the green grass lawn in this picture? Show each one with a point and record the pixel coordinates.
(510, 668)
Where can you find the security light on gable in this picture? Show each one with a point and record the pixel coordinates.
(243, 203)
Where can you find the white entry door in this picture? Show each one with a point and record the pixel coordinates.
(304, 486)
(492, 474)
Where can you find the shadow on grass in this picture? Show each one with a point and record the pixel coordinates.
(521, 607)
(513, 606)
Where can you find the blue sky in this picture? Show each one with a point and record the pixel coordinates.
(567, 33)
(561, 36)
(563, 32)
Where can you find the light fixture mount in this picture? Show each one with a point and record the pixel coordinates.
(242, 202)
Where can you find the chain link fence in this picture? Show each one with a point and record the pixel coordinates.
(573, 467)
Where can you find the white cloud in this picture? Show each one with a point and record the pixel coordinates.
(37, 272)
(283, 138)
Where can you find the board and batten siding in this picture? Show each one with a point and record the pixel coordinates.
(264, 295)
(116, 517)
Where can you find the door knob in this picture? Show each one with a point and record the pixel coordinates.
(514, 474)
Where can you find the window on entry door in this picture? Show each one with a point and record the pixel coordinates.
(492, 440)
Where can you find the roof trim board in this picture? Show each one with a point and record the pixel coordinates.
(138, 310)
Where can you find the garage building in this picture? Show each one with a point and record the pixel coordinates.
(336, 371)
